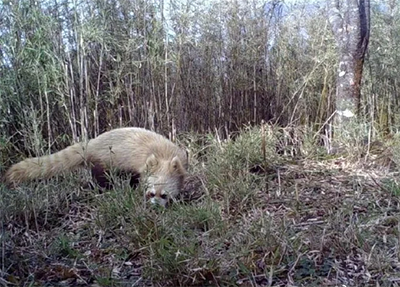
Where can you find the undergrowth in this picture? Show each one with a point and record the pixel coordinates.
(279, 214)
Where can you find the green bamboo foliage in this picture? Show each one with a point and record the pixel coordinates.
(380, 97)
(71, 70)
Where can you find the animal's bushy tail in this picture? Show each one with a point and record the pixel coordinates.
(46, 166)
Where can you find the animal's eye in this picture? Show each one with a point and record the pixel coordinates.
(152, 195)
(164, 196)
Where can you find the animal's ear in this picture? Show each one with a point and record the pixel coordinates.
(177, 165)
(151, 161)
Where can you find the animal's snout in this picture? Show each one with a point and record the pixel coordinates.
(158, 196)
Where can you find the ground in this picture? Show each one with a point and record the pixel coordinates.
(299, 217)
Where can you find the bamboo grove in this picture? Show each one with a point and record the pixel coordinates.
(73, 69)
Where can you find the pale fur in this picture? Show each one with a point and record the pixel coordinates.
(134, 150)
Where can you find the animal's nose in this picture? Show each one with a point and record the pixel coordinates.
(155, 200)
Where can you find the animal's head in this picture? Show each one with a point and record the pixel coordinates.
(164, 179)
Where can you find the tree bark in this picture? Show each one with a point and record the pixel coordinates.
(350, 22)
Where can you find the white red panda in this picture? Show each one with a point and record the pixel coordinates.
(145, 154)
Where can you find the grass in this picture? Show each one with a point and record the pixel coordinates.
(299, 217)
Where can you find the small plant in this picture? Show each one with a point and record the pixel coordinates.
(63, 247)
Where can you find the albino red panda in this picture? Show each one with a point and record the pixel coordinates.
(144, 154)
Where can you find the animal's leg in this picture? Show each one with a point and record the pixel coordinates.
(134, 182)
(99, 174)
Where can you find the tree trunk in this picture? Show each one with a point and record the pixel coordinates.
(350, 22)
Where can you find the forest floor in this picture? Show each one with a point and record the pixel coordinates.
(301, 217)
